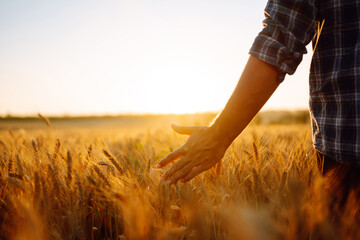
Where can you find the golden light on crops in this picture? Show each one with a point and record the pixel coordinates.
(102, 183)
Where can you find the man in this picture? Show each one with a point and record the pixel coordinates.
(334, 89)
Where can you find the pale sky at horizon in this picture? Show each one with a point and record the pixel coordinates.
(130, 56)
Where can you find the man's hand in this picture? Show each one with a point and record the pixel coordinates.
(207, 145)
(201, 151)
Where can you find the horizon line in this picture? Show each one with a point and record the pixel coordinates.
(135, 114)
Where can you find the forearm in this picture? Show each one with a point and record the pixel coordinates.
(257, 83)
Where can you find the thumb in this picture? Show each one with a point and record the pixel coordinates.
(188, 130)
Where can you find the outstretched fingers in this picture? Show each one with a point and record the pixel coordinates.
(176, 167)
(180, 174)
(194, 172)
(171, 157)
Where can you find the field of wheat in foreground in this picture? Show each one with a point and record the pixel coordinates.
(102, 184)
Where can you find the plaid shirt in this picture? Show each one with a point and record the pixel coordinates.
(335, 69)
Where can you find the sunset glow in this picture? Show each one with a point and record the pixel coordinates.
(129, 57)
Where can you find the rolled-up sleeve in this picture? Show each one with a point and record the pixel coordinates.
(288, 27)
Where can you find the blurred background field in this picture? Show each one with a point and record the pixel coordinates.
(95, 178)
(144, 121)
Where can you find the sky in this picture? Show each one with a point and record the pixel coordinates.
(130, 56)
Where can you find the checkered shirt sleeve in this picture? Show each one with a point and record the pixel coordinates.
(289, 26)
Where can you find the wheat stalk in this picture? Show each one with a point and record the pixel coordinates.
(89, 152)
(256, 153)
(101, 175)
(16, 183)
(69, 167)
(44, 189)
(37, 187)
(54, 179)
(45, 119)
(36, 154)
(113, 161)
(10, 164)
(19, 166)
(57, 149)
(80, 189)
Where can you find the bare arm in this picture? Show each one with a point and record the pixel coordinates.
(257, 83)
(207, 145)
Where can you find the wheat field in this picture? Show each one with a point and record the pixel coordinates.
(73, 183)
